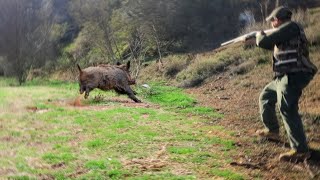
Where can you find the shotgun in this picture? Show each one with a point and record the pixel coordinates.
(247, 36)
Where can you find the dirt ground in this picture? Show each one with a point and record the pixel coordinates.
(237, 98)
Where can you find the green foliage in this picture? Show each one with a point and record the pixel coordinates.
(58, 30)
(24, 54)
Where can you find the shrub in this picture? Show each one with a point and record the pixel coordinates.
(205, 66)
(175, 64)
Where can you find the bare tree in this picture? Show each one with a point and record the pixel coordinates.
(264, 8)
(94, 16)
(25, 27)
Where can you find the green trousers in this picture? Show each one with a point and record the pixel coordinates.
(285, 91)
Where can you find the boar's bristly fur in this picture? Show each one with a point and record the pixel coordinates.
(107, 77)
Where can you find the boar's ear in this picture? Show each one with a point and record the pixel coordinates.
(118, 63)
(79, 68)
(128, 65)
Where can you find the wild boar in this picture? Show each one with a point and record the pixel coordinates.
(107, 77)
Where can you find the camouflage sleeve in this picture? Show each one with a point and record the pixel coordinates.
(284, 33)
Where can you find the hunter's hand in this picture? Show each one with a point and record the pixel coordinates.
(261, 33)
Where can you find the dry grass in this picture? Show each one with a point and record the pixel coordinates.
(175, 64)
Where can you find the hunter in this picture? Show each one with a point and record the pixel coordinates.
(293, 71)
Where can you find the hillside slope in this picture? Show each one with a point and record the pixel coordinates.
(230, 80)
(237, 98)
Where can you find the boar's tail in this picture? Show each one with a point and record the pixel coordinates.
(128, 65)
(79, 68)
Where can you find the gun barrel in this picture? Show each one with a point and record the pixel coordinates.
(246, 36)
(228, 42)
(238, 39)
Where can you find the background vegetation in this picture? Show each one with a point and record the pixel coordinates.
(42, 36)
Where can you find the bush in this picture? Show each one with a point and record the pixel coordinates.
(204, 66)
(175, 64)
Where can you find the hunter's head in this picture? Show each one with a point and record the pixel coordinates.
(279, 15)
(85, 82)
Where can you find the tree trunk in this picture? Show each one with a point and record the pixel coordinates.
(160, 64)
(277, 3)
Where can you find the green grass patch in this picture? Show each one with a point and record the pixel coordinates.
(5, 82)
(227, 174)
(202, 111)
(97, 141)
(182, 150)
(168, 96)
(53, 158)
(97, 164)
(202, 157)
(21, 178)
(51, 83)
(225, 143)
(174, 97)
(167, 176)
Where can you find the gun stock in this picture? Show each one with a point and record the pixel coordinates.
(246, 37)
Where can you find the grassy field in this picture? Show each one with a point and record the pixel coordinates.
(44, 135)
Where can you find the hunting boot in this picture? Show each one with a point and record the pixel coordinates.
(265, 133)
(294, 155)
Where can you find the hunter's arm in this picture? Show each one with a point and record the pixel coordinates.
(282, 34)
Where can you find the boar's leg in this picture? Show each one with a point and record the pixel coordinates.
(87, 93)
(133, 97)
(134, 92)
(120, 90)
(127, 91)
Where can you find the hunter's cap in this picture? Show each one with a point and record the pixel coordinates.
(281, 13)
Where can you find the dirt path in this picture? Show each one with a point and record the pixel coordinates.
(237, 98)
